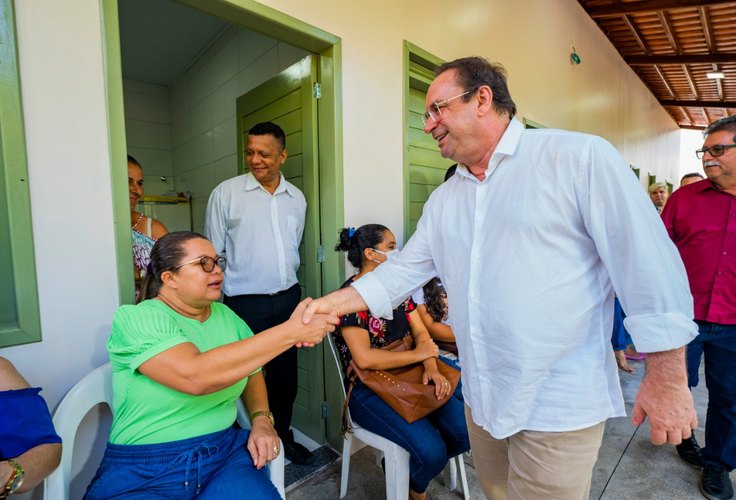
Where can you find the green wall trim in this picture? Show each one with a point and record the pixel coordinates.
(267, 21)
(418, 72)
(118, 150)
(26, 325)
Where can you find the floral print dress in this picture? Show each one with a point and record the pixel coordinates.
(381, 331)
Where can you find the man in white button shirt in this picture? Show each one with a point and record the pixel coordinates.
(257, 220)
(530, 238)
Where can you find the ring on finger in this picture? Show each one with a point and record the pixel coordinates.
(276, 450)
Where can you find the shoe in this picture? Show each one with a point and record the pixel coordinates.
(689, 452)
(298, 454)
(716, 483)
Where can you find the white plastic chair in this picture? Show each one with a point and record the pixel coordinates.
(396, 457)
(96, 388)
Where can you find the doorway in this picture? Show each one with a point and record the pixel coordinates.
(263, 23)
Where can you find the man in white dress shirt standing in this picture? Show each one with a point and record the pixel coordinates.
(256, 220)
(531, 237)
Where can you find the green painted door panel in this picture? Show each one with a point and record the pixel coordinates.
(287, 101)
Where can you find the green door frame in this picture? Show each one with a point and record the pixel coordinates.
(265, 20)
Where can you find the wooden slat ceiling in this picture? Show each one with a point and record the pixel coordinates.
(671, 45)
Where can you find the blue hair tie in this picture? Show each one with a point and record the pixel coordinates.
(351, 232)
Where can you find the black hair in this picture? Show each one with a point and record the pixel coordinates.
(134, 162)
(166, 254)
(691, 174)
(435, 299)
(474, 72)
(354, 241)
(269, 128)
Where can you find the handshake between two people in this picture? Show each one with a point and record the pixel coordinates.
(320, 324)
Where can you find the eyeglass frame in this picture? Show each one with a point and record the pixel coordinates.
(700, 153)
(442, 103)
(219, 261)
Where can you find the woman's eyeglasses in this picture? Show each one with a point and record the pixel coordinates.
(207, 263)
(715, 151)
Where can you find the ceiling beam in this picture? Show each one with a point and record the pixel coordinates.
(692, 127)
(665, 82)
(619, 9)
(707, 28)
(691, 81)
(664, 20)
(637, 35)
(682, 59)
(698, 104)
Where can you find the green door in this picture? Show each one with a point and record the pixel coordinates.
(288, 101)
(425, 168)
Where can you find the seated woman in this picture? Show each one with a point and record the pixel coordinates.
(30, 449)
(431, 301)
(179, 361)
(432, 440)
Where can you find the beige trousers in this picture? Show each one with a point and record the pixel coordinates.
(535, 465)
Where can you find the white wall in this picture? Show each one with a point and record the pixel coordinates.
(148, 133)
(689, 142)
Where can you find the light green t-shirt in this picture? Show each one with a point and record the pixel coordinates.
(146, 412)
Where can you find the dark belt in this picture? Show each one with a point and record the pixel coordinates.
(274, 294)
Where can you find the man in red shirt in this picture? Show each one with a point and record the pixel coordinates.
(701, 220)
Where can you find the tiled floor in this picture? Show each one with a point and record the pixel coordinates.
(629, 466)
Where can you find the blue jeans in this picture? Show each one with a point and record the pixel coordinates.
(718, 343)
(213, 466)
(430, 441)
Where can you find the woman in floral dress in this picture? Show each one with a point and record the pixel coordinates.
(432, 440)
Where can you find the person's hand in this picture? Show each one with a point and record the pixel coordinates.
(322, 305)
(6, 470)
(665, 399)
(442, 387)
(427, 349)
(309, 334)
(263, 443)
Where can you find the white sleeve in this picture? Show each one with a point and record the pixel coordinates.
(643, 264)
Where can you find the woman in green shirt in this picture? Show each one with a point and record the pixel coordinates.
(180, 360)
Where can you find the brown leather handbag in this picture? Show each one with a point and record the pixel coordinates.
(402, 388)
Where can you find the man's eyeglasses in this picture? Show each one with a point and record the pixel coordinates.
(715, 151)
(207, 263)
(434, 112)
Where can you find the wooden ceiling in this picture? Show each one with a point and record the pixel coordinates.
(671, 45)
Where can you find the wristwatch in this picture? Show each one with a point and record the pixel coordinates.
(16, 479)
(262, 413)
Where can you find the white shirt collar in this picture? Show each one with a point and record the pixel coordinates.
(252, 183)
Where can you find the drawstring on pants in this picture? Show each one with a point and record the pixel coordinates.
(202, 451)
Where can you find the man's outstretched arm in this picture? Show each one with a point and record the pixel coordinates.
(344, 301)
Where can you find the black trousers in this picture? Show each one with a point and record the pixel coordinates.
(261, 312)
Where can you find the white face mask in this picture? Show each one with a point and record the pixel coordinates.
(391, 255)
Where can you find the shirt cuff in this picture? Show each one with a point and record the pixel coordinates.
(660, 332)
(375, 295)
